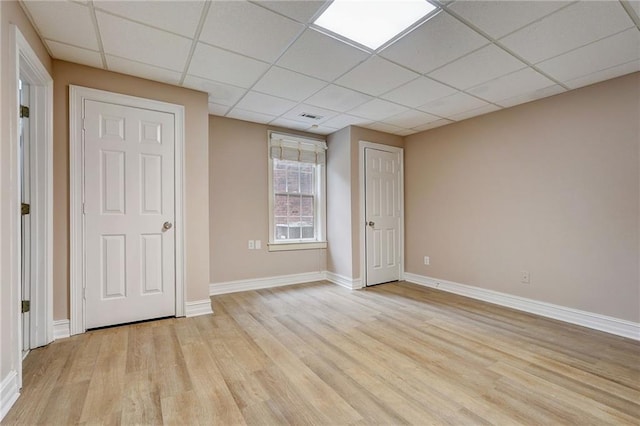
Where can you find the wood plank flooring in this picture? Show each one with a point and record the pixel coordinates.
(393, 354)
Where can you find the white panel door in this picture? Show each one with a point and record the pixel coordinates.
(382, 213)
(129, 194)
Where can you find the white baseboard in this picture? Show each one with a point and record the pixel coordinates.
(61, 329)
(342, 281)
(268, 282)
(9, 392)
(198, 307)
(604, 323)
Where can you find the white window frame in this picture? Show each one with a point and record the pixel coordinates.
(320, 203)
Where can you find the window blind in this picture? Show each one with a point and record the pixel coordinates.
(295, 148)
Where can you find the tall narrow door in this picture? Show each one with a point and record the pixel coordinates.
(382, 213)
(128, 214)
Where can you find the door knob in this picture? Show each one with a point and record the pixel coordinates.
(371, 224)
(167, 226)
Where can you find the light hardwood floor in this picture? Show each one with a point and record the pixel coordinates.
(319, 354)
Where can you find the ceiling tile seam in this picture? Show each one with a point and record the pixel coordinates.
(585, 45)
(484, 46)
(142, 63)
(632, 13)
(259, 4)
(96, 28)
(195, 40)
(463, 20)
(35, 27)
(634, 61)
(68, 44)
(164, 30)
(503, 47)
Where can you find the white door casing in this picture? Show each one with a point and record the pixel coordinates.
(382, 211)
(129, 196)
(126, 167)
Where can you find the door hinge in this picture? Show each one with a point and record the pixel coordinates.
(26, 306)
(24, 111)
(25, 208)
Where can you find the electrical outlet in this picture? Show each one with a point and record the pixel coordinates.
(525, 278)
(252, 244)
(258, 245)
(426, 260)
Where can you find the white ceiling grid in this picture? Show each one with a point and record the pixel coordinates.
(264, 61)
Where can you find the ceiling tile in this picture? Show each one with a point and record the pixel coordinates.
(514, 84)
(406, 132)
(180, 17)
(265, 104)
(321, 56)
(635, 5)
(300, 10)
(338, 98)
(482, 65)
(499, 18)
(569, 28)
(474, 112)
(248, 29)
(606, 74)
(321, 130)
(140, 43)
(377, 110)
(226, 67)
(411, 118)
(439, 40)
(217, 109)
(49, 15)
(255, 117)
(294, 114)
(376, 76)
(288, 84)
(386, 128)
(219, 93)
(74, 54)
(290, 124)
(615, 50)
(532, 95)
(432, 125)
(344, 120)
(137, 69)
(453, 104)
(419, 91)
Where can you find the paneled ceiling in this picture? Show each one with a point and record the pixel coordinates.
(263, 61)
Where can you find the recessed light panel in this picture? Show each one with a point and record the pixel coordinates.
(372, 22)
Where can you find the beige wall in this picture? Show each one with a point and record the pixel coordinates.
(339, 187)
(196, 171)
(239, 206)
(10, 13)
(551, 187)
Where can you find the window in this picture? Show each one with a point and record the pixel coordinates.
(296, 192)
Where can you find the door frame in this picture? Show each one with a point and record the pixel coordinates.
(32, 71)
(362, 222)
(29, 68)
(77, 96)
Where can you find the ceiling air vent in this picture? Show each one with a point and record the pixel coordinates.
(311, 116)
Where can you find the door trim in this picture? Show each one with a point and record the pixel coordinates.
(77, 97)
(362, 222)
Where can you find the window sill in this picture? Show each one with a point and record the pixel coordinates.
(297, 246)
